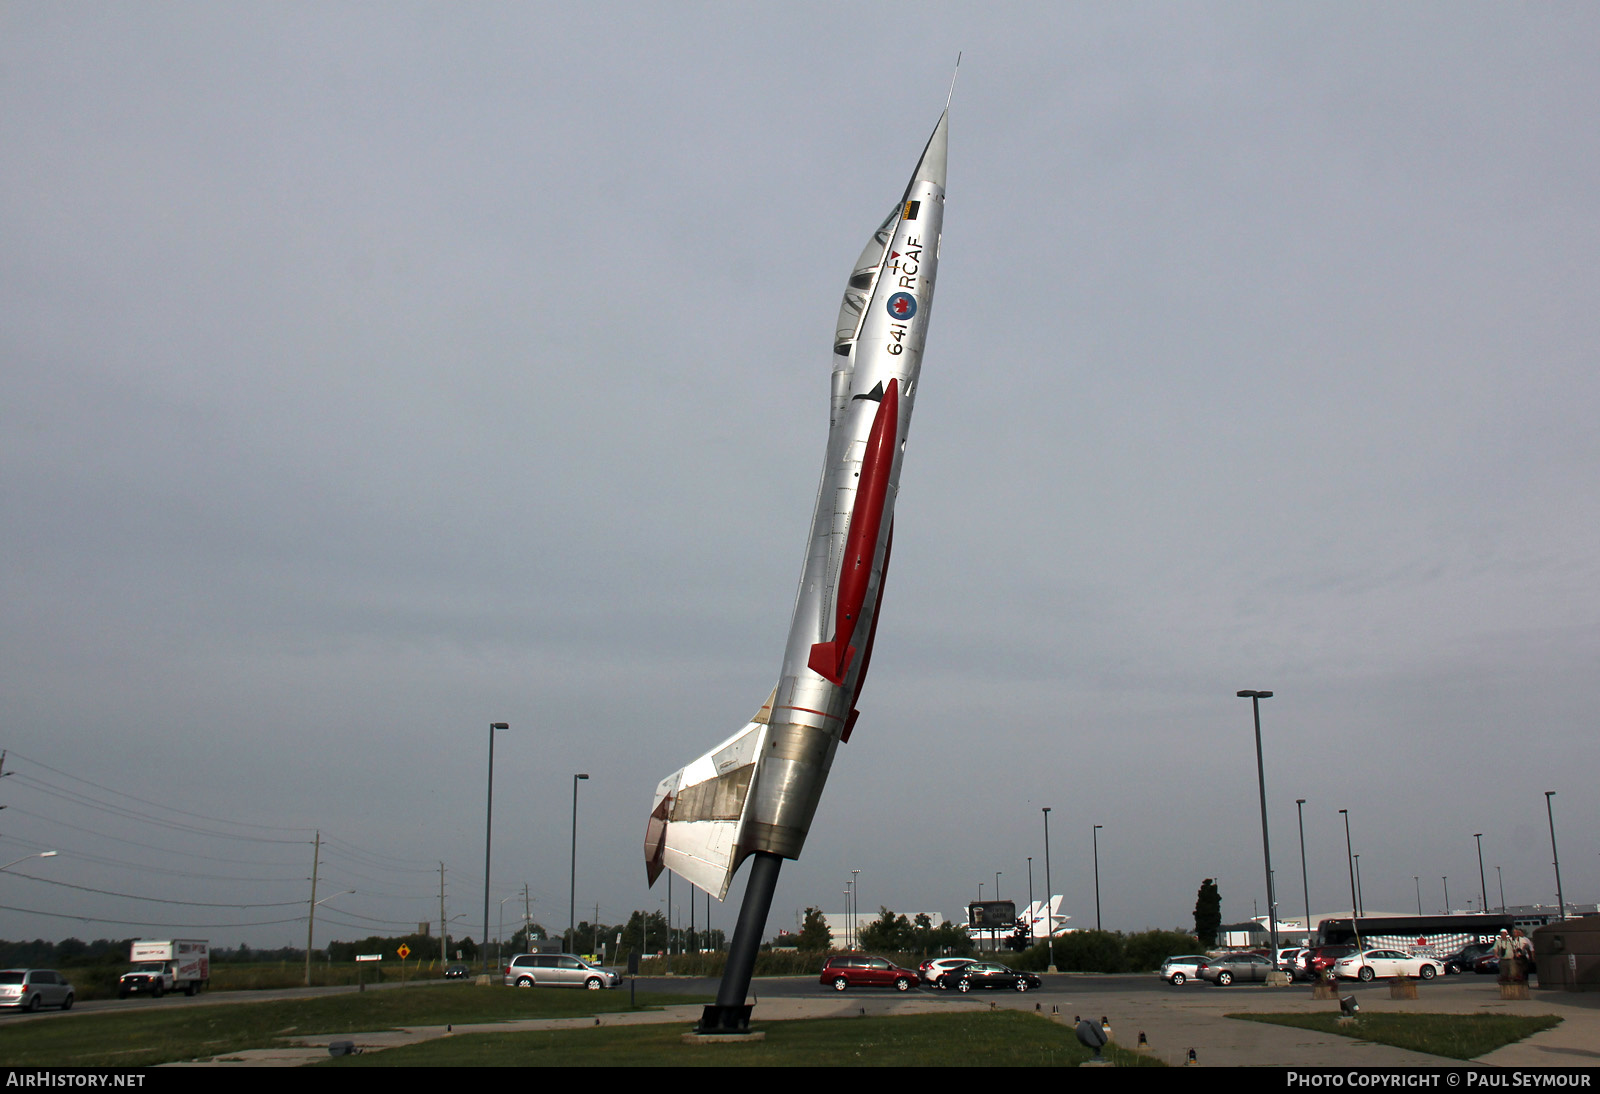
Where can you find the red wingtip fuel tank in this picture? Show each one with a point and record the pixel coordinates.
(831, 660)
(758, 790)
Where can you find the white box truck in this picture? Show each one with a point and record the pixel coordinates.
(183, 964)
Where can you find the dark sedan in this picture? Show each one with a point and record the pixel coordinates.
(987, 974)
(1462, 960)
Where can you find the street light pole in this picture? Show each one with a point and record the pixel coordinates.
(1305, 889)
(1255, 698)
(1349, 862)
(994, 938)
(1361, 900)
(488, 844)
(1049, 896)
(37, 854)
(1446, 881)
(1032, 911)
(1095, 835)
(1561, 900)
(572, 881)
(1483, 884)
(1417, 879)
(855, 904)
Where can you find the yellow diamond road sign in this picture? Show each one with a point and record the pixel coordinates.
(404, 951)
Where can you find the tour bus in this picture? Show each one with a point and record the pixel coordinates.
(1437, 936)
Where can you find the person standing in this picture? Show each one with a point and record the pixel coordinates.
(1522, 954)
(1505, 952)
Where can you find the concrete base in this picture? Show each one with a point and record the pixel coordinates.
(1402, 988)
(750, 1038)
(1324, 990)
(1277, 978)
(1515, 989)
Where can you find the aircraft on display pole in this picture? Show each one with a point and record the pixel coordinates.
(754, 795)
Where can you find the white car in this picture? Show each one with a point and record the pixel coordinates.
(932, 971)
(1381, 964)
(1181, 969)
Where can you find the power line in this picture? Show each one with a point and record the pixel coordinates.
(164, 926)
(150, 899)
(230, 860)
(145, 868)
(156, 805)
(51, 790)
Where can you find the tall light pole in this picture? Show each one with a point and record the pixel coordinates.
(1501, 878)
(1349, 861)
(849, 918)
(1049, 896)
(488, 843)
(1032, 911)
(572, 881)
(855, 904)
(1483, 884)
(1305, 889)
(1361, 899)
(994, 937)
(1561, 901)
(1417, 880)
(1095, 835)
(1255, 698)
(1446, 881)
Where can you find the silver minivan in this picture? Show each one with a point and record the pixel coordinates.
(30, 989)
(557, 970)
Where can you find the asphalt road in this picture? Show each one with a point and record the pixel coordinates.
(1059, 988)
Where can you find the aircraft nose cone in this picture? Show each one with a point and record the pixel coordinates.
(931, 169)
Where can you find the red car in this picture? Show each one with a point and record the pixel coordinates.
(857, 970)
(1314, 962)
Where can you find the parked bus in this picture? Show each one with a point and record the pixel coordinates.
(1423, 935)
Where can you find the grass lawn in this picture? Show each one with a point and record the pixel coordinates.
(1458, 1036)
(139, 1037)
(1003, 1038)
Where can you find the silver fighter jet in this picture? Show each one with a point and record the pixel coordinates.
(758, 790)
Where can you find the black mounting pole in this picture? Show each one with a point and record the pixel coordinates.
(730, 1013)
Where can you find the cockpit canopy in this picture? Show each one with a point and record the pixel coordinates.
(859, 288)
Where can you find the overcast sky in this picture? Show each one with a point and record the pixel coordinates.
(372, 372)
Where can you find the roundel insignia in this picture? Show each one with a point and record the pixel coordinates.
(902, 305)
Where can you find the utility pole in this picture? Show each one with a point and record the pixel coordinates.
(311, 912)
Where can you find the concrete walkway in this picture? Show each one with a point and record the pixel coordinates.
(1173, 1021)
